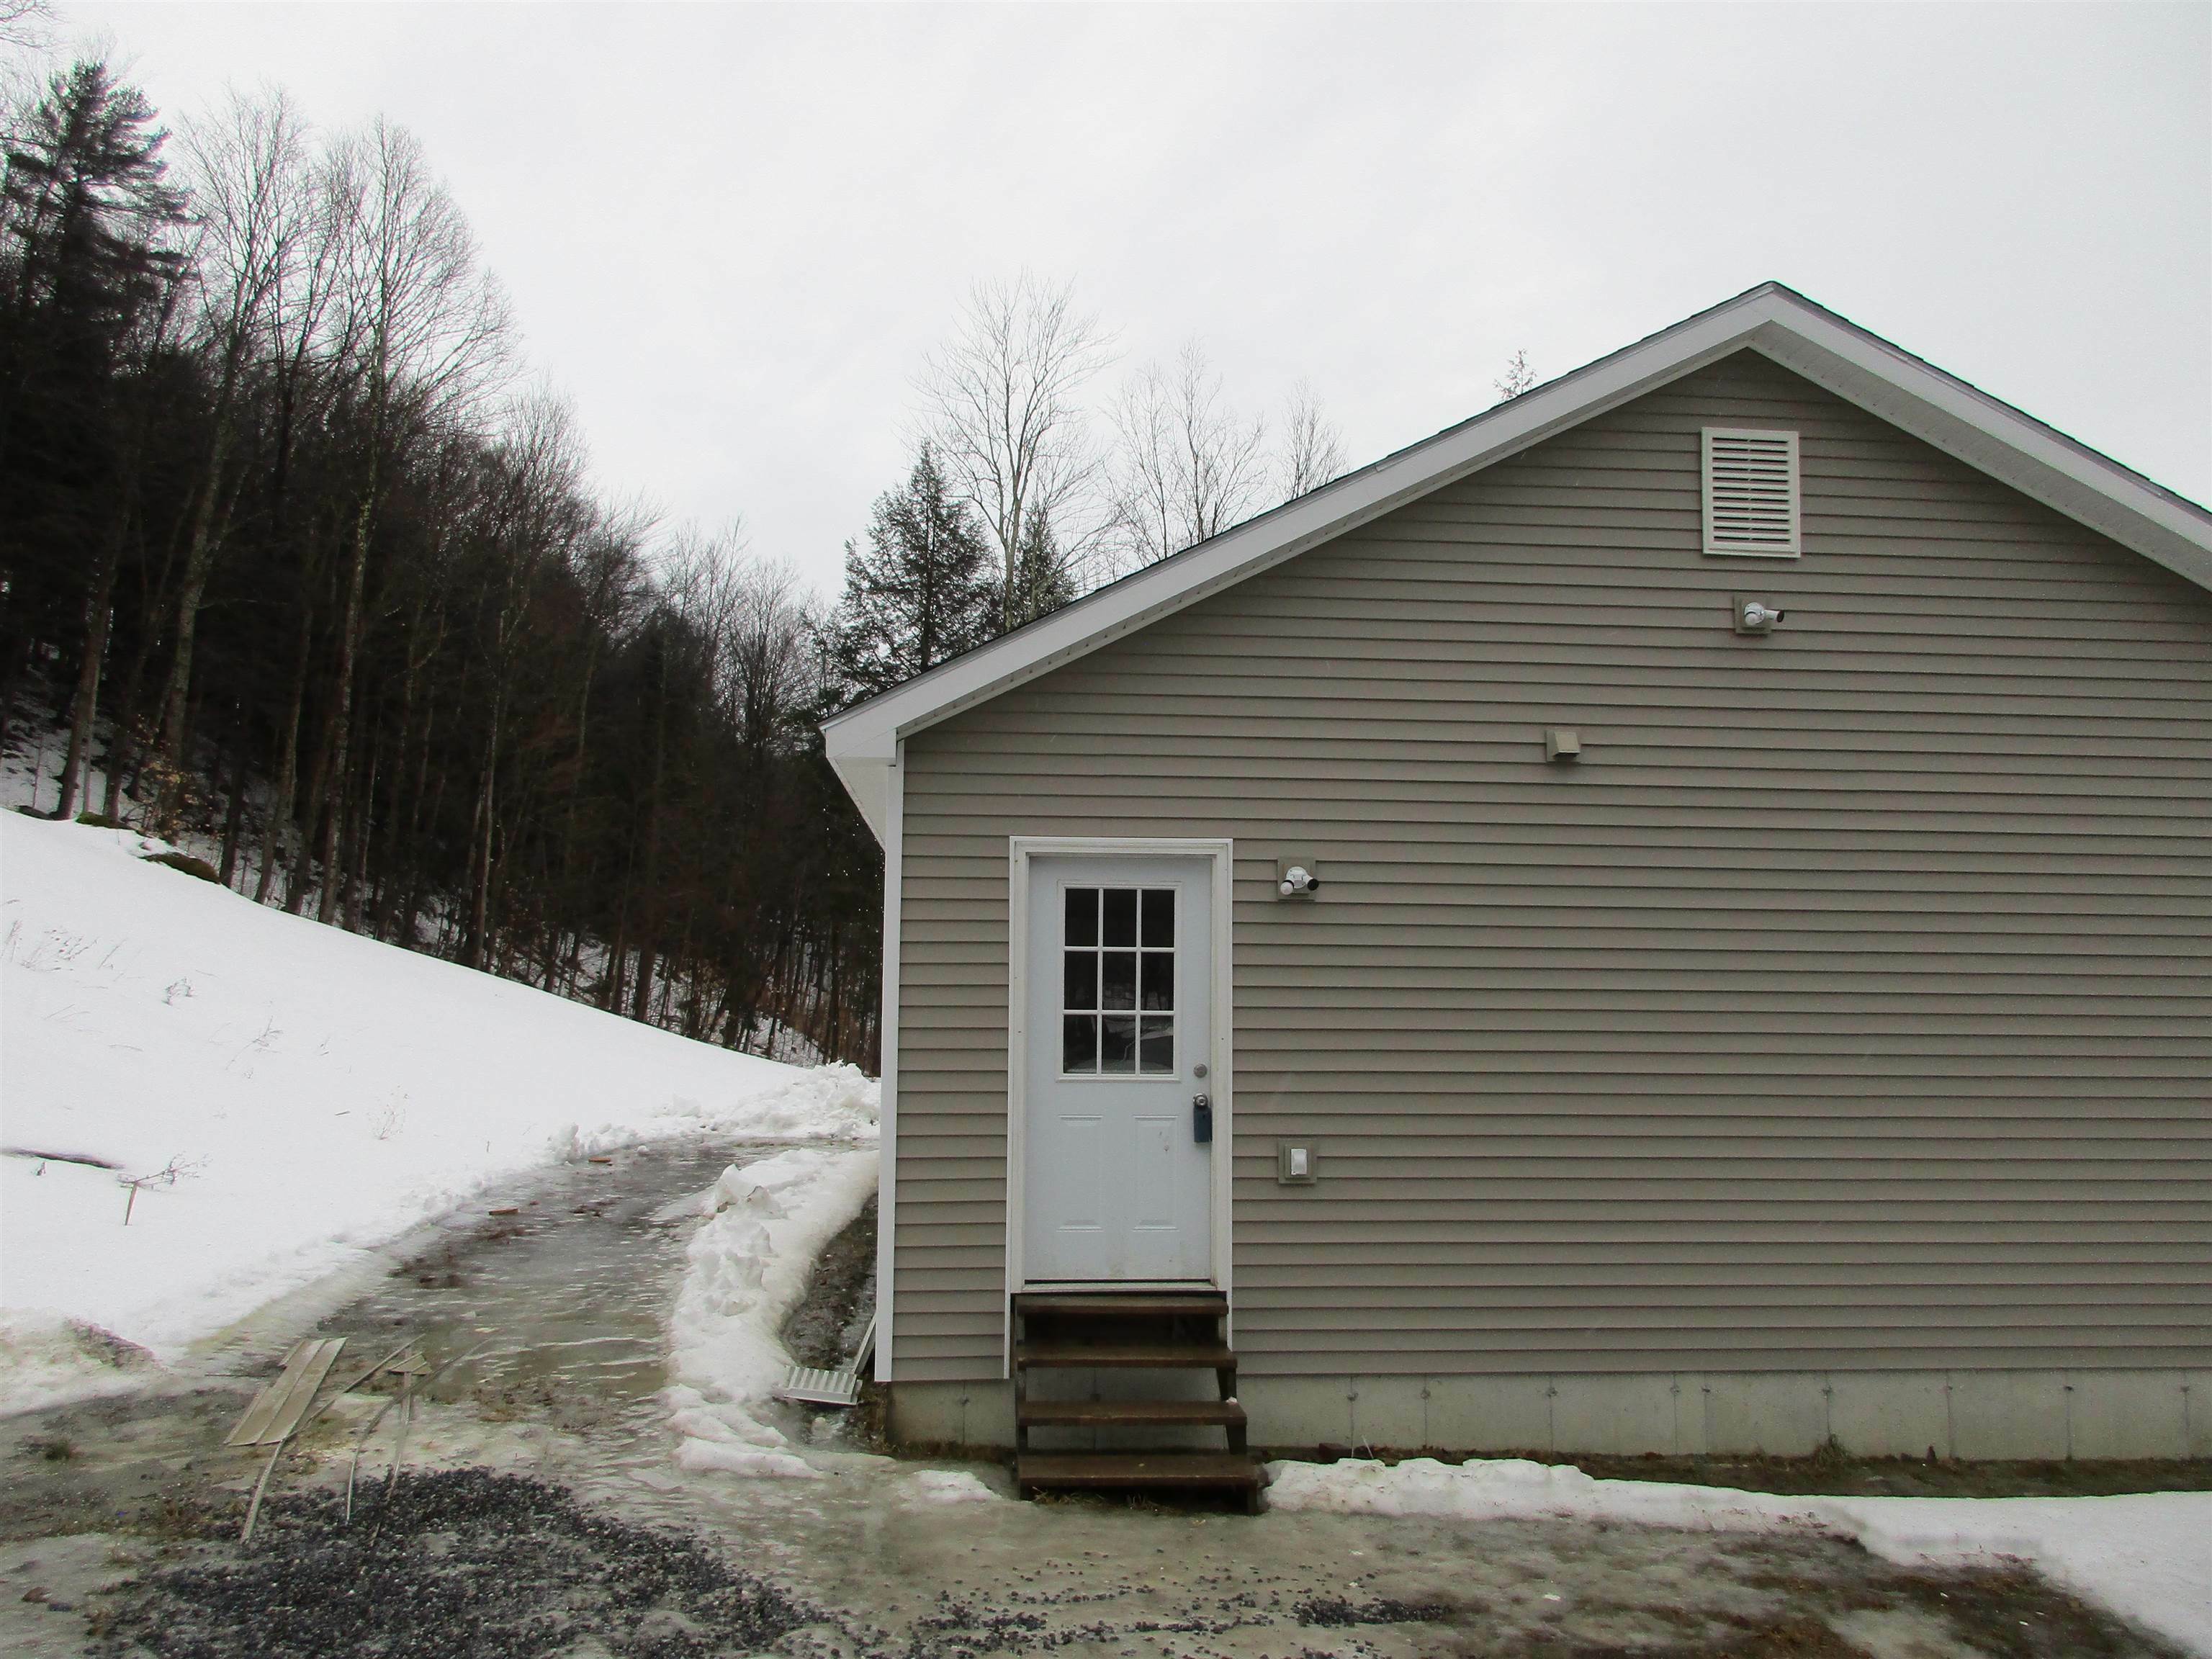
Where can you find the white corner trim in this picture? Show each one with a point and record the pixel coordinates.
(887, 1084)
(1859, 367)
(1221, 1061)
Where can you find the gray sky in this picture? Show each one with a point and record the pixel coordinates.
(731, 232)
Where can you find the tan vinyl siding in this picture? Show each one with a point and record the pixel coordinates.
(1848, 1005)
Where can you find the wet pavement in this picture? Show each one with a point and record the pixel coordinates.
(583, 1538)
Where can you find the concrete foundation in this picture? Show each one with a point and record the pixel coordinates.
(1967, 1414)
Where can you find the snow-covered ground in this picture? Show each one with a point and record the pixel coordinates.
(2148, 1556)
(285, 1095)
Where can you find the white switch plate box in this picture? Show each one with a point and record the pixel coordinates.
(1294, 1163)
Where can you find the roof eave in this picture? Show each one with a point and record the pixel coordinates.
(1775, 321)
(874, 727)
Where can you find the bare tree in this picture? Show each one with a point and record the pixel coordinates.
(304, 322)
(429, 327)
(1001, 411)
(771, 657)
(1518, 379)
(1188, 465)
(532, 515)
(26, 27)
(1313, 449)
(252, 193)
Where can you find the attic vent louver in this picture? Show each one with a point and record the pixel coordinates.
(1751, 492)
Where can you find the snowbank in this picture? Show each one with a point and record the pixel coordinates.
(948, 1486)
(46, 1357)
(291, 1093)
(2148, 1556)
(747, 1268)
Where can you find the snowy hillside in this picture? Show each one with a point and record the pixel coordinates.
(297, 1091)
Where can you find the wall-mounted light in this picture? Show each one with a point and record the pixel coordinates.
(1754, 616)
(1298, 878)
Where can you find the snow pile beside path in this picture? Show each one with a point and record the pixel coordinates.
(1515, 1489)
(298, 1093)
(949, 1486)
(748, 1266)
(2148, 1556)
(46, 1357)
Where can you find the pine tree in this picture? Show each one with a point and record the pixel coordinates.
(1041, 582)
(919, 592)
(87, 219)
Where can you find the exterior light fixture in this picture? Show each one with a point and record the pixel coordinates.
(1754, 616)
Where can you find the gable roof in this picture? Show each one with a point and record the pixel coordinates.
(1778, 322)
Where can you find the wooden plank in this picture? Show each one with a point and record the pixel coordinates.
(1200, 1469)
(1192, 1356)
(1098, 1413)
(276, 1411)
(1207, 1305)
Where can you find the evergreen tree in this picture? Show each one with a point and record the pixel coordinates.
(921, 590)
(85, 223)
(1041, 580)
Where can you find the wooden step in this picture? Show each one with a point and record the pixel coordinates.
(1177, 1356)
(1154, 1469)
(1136, 1304)
(1101, 1414)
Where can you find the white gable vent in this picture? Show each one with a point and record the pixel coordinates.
(1751, 492)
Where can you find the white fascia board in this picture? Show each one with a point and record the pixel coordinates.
(1993, 437)
(1859, 367)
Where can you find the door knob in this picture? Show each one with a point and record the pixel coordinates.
(1201, 1119)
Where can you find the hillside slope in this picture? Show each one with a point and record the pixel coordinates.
(298, 1092)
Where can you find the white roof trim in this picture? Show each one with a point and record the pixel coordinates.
(1773, 320)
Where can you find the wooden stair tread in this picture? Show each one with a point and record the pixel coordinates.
(1126, 1304)
(1185, 1355)
(1137, 1469)
(1093, 1413)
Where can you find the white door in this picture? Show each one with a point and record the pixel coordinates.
(1117, 1181)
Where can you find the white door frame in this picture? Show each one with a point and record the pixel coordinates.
(1221, 1080)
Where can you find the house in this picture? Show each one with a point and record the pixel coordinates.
(1683, 907)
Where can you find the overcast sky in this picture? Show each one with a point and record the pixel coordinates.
(731, 232)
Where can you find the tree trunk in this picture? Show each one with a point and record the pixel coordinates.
(234, 819)
(199, 561)
(312, 808)
(281, 806)
(349, 633)
(99, 612)
(481, 845)
(364, 821)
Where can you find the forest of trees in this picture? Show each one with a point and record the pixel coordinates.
(296, 567)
